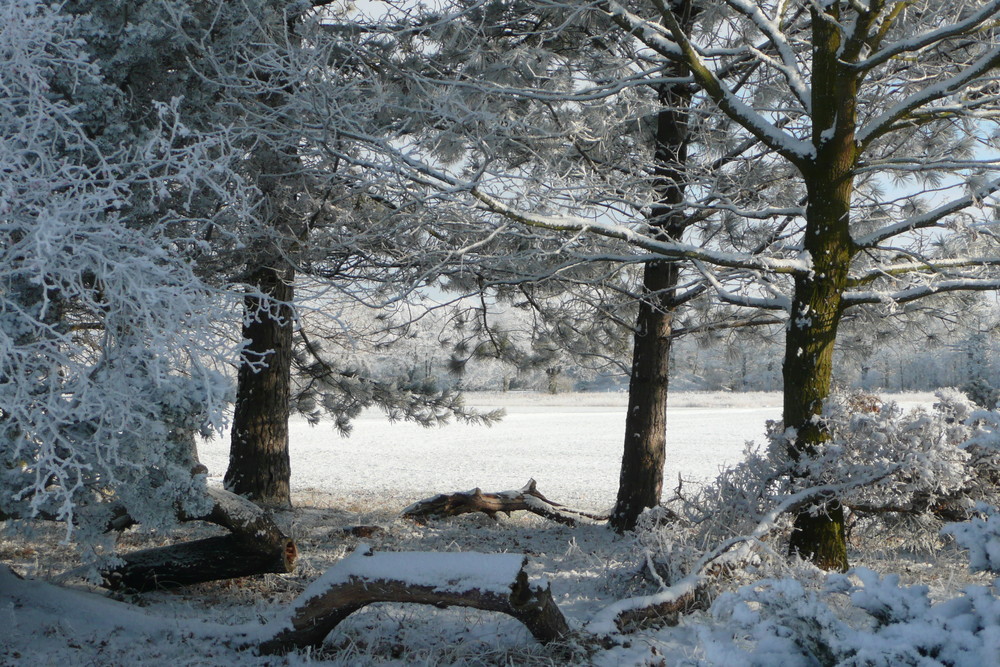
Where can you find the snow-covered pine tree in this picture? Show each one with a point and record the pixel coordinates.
(287, 94)
(874, 121)
(885, 91)
(563, 112)
(109, 351)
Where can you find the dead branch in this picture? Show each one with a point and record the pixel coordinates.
(944, 509)
(255, 545)
(492, 582)
(528, 498)
(692, 592)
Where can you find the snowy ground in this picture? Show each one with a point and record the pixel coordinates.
(570, 444)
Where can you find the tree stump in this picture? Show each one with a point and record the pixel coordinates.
(492, 582)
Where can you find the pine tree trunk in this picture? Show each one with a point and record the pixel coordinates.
(259, 466)
(817, 305)
(641, 480)
(807, 375)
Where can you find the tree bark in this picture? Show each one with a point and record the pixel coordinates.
(492, 582)
(259, 466)
(210, 559)
(641, 479)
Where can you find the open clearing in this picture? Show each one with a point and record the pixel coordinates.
(569, 443)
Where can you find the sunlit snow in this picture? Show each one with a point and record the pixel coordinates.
(570, 444)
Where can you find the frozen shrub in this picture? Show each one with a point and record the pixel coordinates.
(981, 393)
(859, 619)
(860, 401)
(772, 622)
(890, 460)
(902, 474)
(981, 537)
(909, 469)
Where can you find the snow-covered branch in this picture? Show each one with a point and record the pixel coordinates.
(653, 35)
(921, 291)
(887, 120)
(934, 266)
(918, 42)
(794, 150)
(930, 218)
(788, 64)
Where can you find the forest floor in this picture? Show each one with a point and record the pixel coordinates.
(568, 443)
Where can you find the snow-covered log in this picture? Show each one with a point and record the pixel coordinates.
(659, 609)
(527, 498)
(255, 545)
(491, 582)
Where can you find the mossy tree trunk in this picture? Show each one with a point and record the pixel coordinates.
(817, 304)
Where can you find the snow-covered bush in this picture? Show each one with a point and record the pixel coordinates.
(858, 619)
(890, 460)
(981, 393)
(902, 475)
(107, 335)
(773, 621)
(981, 537)
(884, 463)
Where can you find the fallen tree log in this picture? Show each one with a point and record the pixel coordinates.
(255, 545)
(528, 499)
(491, 582)
(195, 562)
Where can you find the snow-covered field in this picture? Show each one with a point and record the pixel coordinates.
(569, 443)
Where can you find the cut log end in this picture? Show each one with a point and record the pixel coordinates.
(291, 554)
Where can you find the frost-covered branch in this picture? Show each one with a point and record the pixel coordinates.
(793, 149)
(108, 334)
(887, 121)
(918, 42)
(788, 65)
(926, 267)
(920, 291)
(930, 218)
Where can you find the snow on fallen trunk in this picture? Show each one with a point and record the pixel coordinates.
(34, 608)
(491, 582)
